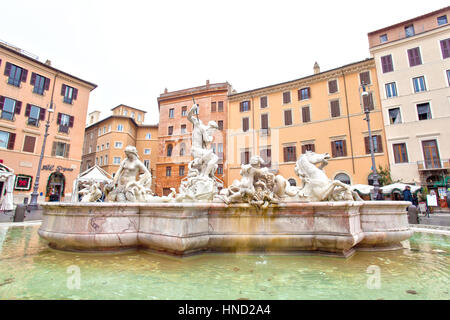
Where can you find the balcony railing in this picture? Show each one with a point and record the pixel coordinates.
(63, 128)
(433, 165)
(264, 132)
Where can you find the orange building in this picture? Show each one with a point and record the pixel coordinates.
(175, 131)
(322, 112)
(27, 87)
(105, 140)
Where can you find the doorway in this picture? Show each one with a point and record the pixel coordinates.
(55, 186)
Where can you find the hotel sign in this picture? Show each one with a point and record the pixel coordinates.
(51, 167)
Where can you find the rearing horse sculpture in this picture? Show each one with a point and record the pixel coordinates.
(316, 185)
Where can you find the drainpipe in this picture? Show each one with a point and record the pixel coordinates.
(348, 122)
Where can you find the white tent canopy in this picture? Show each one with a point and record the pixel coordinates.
(362, 188)
(95, 173)
(8, 178)
(400, 186)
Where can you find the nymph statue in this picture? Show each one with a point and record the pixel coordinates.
(126, 186)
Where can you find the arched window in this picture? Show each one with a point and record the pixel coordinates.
(169, 150)
(182, 149)
(292, 182)
(342, 177)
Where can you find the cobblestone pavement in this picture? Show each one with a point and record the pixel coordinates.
(435, 219)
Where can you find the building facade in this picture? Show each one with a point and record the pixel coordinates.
(322, 113)
(175, 131)
(105, 140)
(27, 89)
(413, 66)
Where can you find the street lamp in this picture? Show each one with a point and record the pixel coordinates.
(365, 93)
(34, 196)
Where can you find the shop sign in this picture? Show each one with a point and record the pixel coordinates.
(51, 167)
(23, 182)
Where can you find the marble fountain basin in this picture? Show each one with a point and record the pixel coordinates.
(330, 228)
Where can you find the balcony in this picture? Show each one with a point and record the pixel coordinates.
(264, 132)
(433, 165)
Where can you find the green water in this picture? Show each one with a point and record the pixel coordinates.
(30, 270)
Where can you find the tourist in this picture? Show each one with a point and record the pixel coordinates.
(415, 200)
(380, 195)
(448, 197)
(407, 196)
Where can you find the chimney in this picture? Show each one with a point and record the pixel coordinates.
(316, 68)
(165, 90)
(48, 62)
(207, 83)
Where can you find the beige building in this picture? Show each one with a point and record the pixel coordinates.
(106, 139)
(27, 88)
(413, 66)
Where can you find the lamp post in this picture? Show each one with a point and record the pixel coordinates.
(34, 196)
(365, 93)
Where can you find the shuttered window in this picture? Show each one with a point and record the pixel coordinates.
(168, 171)
(69, 93)
(220, 124)
(335, 109)
(7, 140)
(34, 114)
(220, 106)
(414, 57)
(213, 106)
(245, 124)
(65, 122)
(60, 149)
(338, 148)
(245, 157)
(400, 154)
(290, 154)
(386, 63)
(306, 115)
(170, 130)
(265, 121)
(266, 155)
(184, 111)
(304, 93)
(40, 83)
(368, 102)
(308, 147)
(15, 74)
(332, 86)
(287, 117)
(286, 97)
(364, 77)
(9, 108)
(445, 48)
(377, 144)
(263, 102)
(244, 106)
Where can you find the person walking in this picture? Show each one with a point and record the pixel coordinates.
(448, 197)
(407, 196)
(380, 195)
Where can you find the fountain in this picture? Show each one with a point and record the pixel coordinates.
(259, 213)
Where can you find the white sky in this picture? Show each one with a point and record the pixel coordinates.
(134, 49)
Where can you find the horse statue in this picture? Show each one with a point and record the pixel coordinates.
(316, 185)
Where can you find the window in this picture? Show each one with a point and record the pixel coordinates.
(125, 112)
(220, 150)
(308, 147)
(245, 157)
(220, 106)
(368, 101)
(414, 57)
(40, 83)
(332, 86)
(419, 84)
(220, 169)
(7, 140)
(364, 77)
(182, 149)
(171, 113)
(441, 20)
(286, 97)
(448, 77)
(106, 160)
(168, 171)
(342, 177)
(101, 160)
(170, 130)
(181, 171)
(335, 109)
(116, 160)
(65, 122)
(183, 128)
(132, 114)
(339, 148)
(220, 124)
(424, 111)
(119, 127)
(244, 106)
(104, 129)
(263, 102)
(109, 128)
(15, 74)
(103, 147)
(98, 148)
(304, 93)
(377, 144)
(400, 154)
(213, 106)
(431, 154)
(245, 124)
(139, 117)
(266, 155)
(28, 144)
(287, 117)
(290, 154)
(264, 121)
(395, 116)
(184, 111)
(99, 132)
(148, 136)
(147, 163)
(169, 150)
(306, 114)
(146, 151)
(107, 145)
(383, 38)
(90, 149)
(391, 89)
(386, 64)
(409, 31)
(60, 149)
(9, 107)
(118, 145)
(69, 93)
(445, 48)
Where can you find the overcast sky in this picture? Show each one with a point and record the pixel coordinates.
(134, 49)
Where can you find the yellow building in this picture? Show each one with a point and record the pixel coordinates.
(105, 140)
(322, 112)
